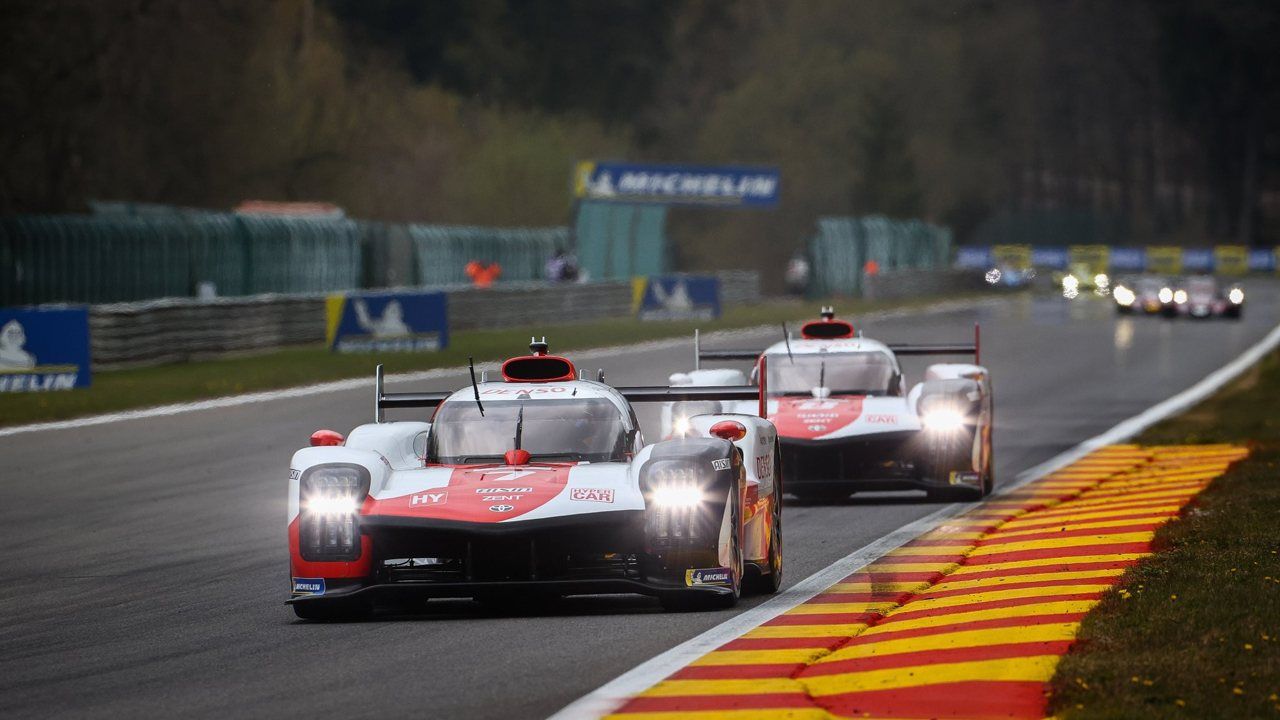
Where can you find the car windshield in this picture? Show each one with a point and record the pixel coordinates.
(1202, 286)
(588, 429)
(1149, 286)
(857, 373)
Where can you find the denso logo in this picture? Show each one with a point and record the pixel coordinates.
(604, 495)
(430, 498)
(496, 490)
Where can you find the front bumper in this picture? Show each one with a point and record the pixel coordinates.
(880, 462)
(413, 591)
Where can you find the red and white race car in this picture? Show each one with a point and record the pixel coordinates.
(539, 484)
(846, 420)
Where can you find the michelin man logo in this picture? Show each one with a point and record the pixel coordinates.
(12, 338)
(391, 324)
(676, 300)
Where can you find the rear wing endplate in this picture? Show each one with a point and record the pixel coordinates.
(974, 348)
(699, 354)
(399, 401)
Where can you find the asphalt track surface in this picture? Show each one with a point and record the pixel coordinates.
(145, 565)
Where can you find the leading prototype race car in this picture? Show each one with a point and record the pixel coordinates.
(1200, 296)
(541, 485)
(1148, 293)
(846, 421)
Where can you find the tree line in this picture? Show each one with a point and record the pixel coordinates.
(1155, 119)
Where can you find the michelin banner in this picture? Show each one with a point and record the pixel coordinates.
(722, 186)
(387, 322)
(44, 349)
(676, 297)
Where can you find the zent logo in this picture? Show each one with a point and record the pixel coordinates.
(429, 498)
(604, 495)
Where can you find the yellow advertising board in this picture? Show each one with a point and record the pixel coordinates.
(1231, 259)
(1013, 256)
(1096, 257)
(1164, 259)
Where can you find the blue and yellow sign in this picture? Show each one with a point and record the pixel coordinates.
(387, 322)
(44, 349)
(676, 297)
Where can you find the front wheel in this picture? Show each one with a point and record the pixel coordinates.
(689, 600)
(769, 581)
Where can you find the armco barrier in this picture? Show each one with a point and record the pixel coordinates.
(182, 329)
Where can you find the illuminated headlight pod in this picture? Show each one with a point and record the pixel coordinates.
(1165, 295)
(1124, 296)
(331, 496)
(1180, 296)
(1236, 296)
(943, 420)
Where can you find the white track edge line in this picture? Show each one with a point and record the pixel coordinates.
(420, 375)
(610, 696)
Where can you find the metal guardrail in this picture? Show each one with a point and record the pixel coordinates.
(174, 330)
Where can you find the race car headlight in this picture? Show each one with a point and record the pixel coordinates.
(1101, 280)
(330, 498)
(1165, 295)
(680, 427)
(1236, 296)
(677, 496)
(1180, 296)
(993, 276)
(1123, 295)
(943, 420)
(1070, 282)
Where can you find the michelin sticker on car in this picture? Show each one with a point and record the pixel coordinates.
(308, 586)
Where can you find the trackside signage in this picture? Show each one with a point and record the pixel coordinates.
(677, 297)
(722, 186)
(387, 322)
(43, 349)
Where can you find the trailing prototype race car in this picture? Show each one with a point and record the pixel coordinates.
(540, 485)
(846, 421)
(1148, 293)
(1200, 296)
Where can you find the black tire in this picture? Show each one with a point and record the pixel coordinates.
(334, 610)
(770, 581)
(694, 601)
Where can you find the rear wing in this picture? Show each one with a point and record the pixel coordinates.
(399, 401)
(974, 348)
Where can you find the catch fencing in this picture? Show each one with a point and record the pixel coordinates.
(842, 248)
(118, 258)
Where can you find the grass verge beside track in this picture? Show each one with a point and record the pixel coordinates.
(1194, 631)
(118, 390)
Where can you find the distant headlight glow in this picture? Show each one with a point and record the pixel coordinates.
(1236, 296)
(1165, 295)
(1180, 296)
(943, 420)
(1101, 280)
(680, 427)
(1124, 295)
(1070, 282)
(993, 276)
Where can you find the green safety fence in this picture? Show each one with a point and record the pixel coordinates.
(616, 241)
(443, 251)
(116, 257)
(843, 246)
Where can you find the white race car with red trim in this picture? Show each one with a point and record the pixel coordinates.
(540, 484)
(846, 421)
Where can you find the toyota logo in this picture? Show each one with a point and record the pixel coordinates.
(502, 508)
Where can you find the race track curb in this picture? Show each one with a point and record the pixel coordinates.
(968, 620)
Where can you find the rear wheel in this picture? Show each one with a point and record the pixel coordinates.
(769, 581)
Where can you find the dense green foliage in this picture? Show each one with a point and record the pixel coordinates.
(1157, 117)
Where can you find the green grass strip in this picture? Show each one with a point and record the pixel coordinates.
(1194, 630)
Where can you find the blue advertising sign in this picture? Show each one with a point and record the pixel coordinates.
(1129, 259)
(973, 257)
(1049, 256)
(44, 349)
(722, 186)
(387, 322)
(1197, 259)
(677, 297)
(1262, 259)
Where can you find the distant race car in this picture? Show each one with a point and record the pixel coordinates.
(1147, 293)
(846, 422)
(537, 485)
(1200, 296)
(1080, 276)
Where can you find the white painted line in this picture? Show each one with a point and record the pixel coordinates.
(419, 376)
(613, 694)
